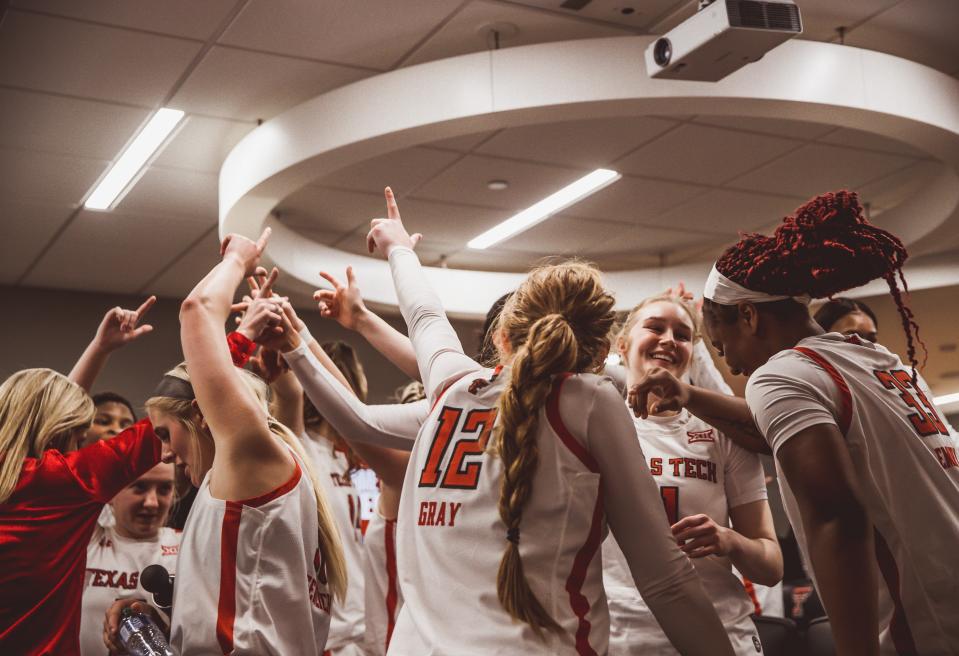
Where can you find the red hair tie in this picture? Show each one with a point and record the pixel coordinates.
(242, 348)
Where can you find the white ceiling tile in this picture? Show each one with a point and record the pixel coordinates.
(923, 31)
(47, 178)
(584, 144)
(65, 56)
(633, 15)
(186, 18)
(870, 141)
(174, 192)
(112, 251)
(180, 276)
(703, 154)
(817, 168)
(464, 34)
(890, 191)
(497, 260)
(203, 143)
(820, 18)
(726, 212)
(402, 171)
(27, 228)
(641, 240)
(55, 124)
(448, 223)
(331, 210)
(634, 200)
(774, 126)
(373, 33)
(462, 144)
(466, 180)
(244, 85)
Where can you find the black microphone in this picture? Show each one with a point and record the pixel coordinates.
(157, 580)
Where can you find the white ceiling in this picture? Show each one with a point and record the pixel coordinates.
(78, 78)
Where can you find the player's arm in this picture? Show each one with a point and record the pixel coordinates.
(728, 414)
(703, 372)
(822, 477)
(117, 329)
(255, 462)
(344, 304)
(439, 353)
(664, 576)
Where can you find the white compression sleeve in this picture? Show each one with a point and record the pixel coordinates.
(391, 426)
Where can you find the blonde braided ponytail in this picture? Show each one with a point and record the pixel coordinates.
(557, 321)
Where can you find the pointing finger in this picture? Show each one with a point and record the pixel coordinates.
(264, 238)
(145, 307)
(392, 211)
(337, 285)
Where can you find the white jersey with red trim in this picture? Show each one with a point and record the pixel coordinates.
(383, 597)
(114, 564)
(699, 471)
(333, 472)
(250, 577)
(908, 472)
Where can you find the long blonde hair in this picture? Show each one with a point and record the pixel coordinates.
(182, 411)
(687, 306)
(557, 321)
(39, 409)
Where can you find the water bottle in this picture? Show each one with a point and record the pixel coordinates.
(141, 636)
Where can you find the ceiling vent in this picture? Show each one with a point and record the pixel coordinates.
(764, 15)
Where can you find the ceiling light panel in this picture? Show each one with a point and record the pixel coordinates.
(109, 190)
(568, 195)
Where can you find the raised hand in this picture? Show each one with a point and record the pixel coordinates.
(344, 303)
(247, 253)
(668, 392)
(119, 327)
(680, 291)
(386, 234)
(268, 364)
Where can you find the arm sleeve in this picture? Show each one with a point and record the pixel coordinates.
(662, 573)
(787, 396)
(439, 352)
(745, 480)
(391, 426)
(703, 372)
(107, 466)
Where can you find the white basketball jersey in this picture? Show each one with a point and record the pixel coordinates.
(250, 576)
(333, 472)
(699, 471)
(451, 538)
(114, 564)
(383, 598)
(908, 472)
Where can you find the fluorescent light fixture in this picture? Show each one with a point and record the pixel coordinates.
(572, 193)
(948, 399)
(116, 180)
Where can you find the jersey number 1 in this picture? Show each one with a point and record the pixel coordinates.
(456, 475)
(925, 419)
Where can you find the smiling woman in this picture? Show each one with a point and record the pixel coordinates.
(117, 555)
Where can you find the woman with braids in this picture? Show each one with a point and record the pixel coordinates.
(260, 561)
(869, 473)
(514, 474)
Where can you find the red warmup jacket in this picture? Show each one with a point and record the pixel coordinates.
(45, 527)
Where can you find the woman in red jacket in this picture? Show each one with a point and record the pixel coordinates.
(51, 493)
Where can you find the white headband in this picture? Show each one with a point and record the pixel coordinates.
(722, 290)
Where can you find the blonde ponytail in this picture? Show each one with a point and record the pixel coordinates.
(39, 409)
(334, 562)
(558, 321)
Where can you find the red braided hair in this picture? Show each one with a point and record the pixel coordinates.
(826, 247)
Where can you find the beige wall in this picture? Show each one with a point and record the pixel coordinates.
(50, 328)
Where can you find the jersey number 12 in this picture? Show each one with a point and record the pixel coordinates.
(456, 475)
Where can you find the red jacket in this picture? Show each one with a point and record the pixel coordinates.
(45, 527)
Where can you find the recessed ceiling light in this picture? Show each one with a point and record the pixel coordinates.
(108, 191)
(497, 185)
(568, 195)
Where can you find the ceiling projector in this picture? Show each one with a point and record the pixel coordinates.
(722, 37)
